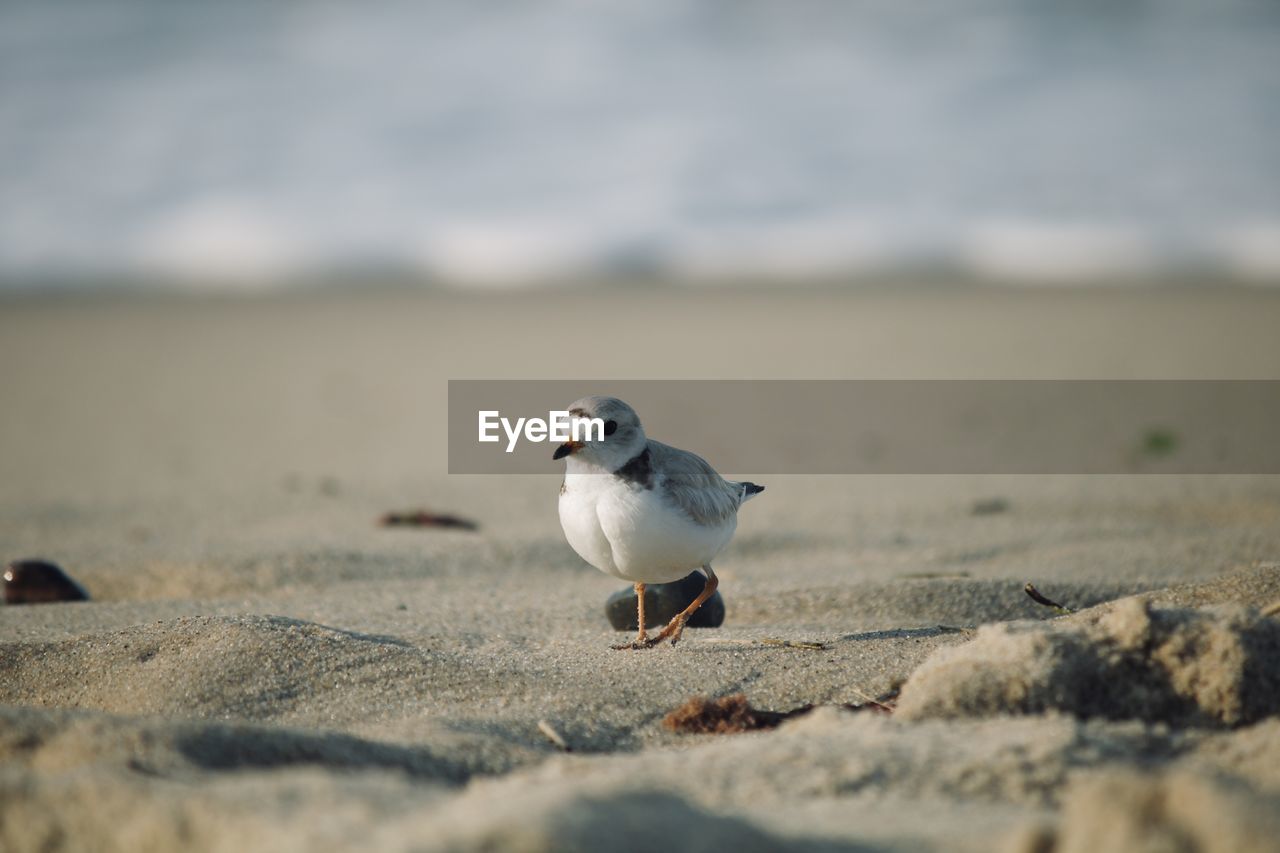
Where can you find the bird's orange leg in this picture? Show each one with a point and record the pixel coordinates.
(642, 638)
(676, 626)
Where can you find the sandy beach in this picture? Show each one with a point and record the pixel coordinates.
(262, 666)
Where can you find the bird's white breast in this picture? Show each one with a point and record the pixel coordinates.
(635, 533)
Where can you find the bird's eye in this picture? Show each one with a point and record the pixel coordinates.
(610, 427)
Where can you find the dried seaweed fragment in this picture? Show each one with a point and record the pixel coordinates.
(424, 518)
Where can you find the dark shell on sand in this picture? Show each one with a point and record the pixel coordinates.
(38, 582)
(662, 601)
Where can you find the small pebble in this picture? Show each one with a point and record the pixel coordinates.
(662, 601)
(39, 582)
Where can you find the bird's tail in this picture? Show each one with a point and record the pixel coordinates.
(748, 491)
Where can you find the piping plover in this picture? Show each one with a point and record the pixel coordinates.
(643, 511)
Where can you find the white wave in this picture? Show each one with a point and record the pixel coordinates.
(812, 250)
(1253, 251)
(222, 241)
(506, 254)
(1053, 253)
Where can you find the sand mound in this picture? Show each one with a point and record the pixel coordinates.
(283, 810)
(1252, 754)
(1127, 811)
(1131, 660)
(1258, 586)
(71, 780)
(571, 817)
(252, 667)
(305, 810)
(58, 740)
(834, 753)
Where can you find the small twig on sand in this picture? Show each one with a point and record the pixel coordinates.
(792, 644)
(1272, 609)
(554, 736)
(776, 642)
(885, 703)
(1039, 598)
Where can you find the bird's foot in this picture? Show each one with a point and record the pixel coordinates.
(641, 642)
(674, 630)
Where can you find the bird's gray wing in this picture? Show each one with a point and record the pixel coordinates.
(688, 481)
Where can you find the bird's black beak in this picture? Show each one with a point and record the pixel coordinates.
(565, 449)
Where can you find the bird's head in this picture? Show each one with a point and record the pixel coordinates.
(622, 437)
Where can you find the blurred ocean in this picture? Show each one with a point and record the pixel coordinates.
(506, 142)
